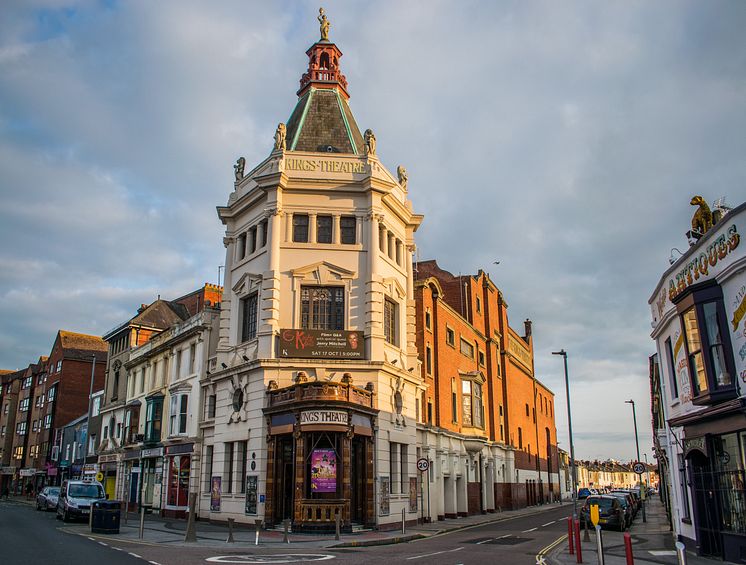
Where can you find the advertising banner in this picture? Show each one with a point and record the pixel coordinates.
(215, 494)
(323, 470)
(321, 344)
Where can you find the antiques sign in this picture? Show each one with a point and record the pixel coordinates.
(323, 417)
(321, 344)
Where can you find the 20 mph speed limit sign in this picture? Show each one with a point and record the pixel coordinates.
(638, 468)
(423, 464)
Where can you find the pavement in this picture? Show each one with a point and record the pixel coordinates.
(653, 542)
(171, 532)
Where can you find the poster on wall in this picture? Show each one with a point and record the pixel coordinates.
(321, 344)
(413, 494)
(383, 506)
(251, 495)
(215, 494)
(323, 470)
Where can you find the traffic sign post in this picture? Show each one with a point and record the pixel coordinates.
(638, 468)
(423, 465)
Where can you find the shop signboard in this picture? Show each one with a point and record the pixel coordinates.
(27, 472)
(323, 470)
(321, 344)
(215, 494)
(251, 494)
(7, 470)
(323, 417)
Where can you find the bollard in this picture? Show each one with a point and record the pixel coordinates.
(285, 525)
(142, 520)
(191, 530)
(578, 549)
(628, 548)
(599, 545)
(258, 524)
(230, 531)
(586, 535)
(681, 553)
(338, 522)
(403, 519)
(570, 536)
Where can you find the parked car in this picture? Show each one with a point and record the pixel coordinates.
(610, 511)
(627, 505)
(632, 499)
(76, 498)
(47, 498)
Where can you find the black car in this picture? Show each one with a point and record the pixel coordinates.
(629, 509)
(610, 511)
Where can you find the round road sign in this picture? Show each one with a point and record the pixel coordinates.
(638, 468)
(423, 464)
(99, 476)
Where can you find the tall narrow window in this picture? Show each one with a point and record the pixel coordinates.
(248, 316)
(324, 229)
(241, 246)
(300, 228)
(322, 308)
(454, 402)
(229, 460)
(466, 403)
(390, 314)
(717, 355)
(208, 468)
(252, 243)
(520, 438)
(672, 369)
(694, 343)
(242, 448)
(428, 360)
(265, 225)
(347, 226)
(192, 358)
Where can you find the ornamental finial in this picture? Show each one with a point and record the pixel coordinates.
(323, 25)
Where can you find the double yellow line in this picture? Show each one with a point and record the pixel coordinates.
(540, 556)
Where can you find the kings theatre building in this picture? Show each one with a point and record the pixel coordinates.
(310, 402)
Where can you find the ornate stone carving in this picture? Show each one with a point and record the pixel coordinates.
(280, 135)
(370, 142)
(324, 25)
(272, 385)
(301, 377)
(702, 219)
(403, 178)
(347, 379)
(239, 167)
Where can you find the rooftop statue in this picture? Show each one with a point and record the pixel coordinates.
(323, 25)
(370, 142)
(239, 167)
(702, 219)
(280, 135)
(403, 178)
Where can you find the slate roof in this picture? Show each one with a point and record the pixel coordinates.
(82, 346)
(322, 119)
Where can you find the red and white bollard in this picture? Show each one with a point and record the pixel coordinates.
(578, 550)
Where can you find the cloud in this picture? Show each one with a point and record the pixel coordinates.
(563, 140)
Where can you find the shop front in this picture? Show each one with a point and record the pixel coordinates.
(320, 453)
(178, 464)
(108, 466)
(131, 473)
(716, 467)
(152, 477)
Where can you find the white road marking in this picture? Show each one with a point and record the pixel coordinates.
(505, 536)
(486, 540)
(154, 563)
(661, 552)
(134, 555)
(435, 553)
(117, 548)
(104, 544)
(525, 531)
(92, 539)
(548, 523)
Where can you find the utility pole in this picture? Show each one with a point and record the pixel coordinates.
(637, 444)
(90, 404)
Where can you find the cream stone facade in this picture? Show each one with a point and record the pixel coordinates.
(319, 239)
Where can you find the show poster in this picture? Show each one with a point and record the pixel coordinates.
(413, 494)
(215, 494)
(321, 344)
(251, 494)
(323, 470)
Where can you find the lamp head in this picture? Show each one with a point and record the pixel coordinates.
(560, 352)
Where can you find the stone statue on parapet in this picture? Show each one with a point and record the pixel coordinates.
(239, 168)
(403, 178)
(702, 219)
(280, 135)
(323, 25)
(370, 142)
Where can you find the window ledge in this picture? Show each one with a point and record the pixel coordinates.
(713, 397)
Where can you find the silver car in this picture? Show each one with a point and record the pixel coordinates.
(47, 498)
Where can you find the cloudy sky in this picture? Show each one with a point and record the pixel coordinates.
(563, 139)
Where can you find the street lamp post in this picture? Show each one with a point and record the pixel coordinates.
(90, 403)
(637, 444)
(573, 470)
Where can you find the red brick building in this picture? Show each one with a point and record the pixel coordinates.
(479, 400)
(10, 386)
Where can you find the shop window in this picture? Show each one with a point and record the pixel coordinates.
(249, 316)
(324, 229)
(348, 228)
(178, 412)
(153, 416)
(322, 308)
(390, 319)
(708, 346)
(178, 480)
(300, 228)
